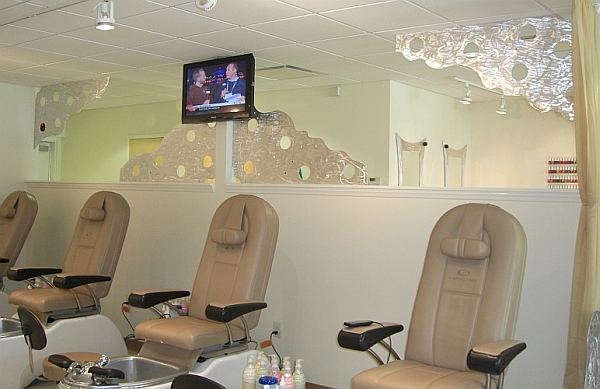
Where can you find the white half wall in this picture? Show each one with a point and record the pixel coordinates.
(343, 253)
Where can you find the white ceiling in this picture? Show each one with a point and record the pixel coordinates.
(350, 41)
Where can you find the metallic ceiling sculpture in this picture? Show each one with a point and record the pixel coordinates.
(527, 57)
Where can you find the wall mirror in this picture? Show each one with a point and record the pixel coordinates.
(497, 143)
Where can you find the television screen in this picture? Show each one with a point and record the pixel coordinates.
(218, 89)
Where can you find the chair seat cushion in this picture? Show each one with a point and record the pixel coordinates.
(48, 300)
(186, 332)
(408, 374)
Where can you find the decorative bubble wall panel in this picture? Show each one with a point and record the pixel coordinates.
(56, 103)
(267, 149)
(527, 57)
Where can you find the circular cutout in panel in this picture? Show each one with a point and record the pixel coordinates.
(349, 171)
(191, 135)
(416, 45)
(57, 122)
(252, 125)
(207, 161)
(180, 171)
(562, 49)
(212, 124)
(304, 172)
(285, 142)
(70, 101)
(471, 50)
(43, 101)
(528, 32)
(136, 170)
(569, 94)
(519, 72)
(249, 167)
(160, 160)
(56, 96)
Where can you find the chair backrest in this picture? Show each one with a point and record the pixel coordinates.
(237, 257)
(470, 287)
(17, 214)
(98, 238)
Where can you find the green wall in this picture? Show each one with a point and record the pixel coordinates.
(96, 143)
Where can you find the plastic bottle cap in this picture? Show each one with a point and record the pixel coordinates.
(267, 380)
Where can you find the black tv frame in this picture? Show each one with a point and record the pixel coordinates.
(219, 111)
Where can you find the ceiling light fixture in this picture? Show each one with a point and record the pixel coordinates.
(501, 106)
(206, 5)
(466, 99)
(105, 21)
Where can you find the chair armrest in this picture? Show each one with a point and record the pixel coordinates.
(493, 358)
(364, 337)
(25, 273)
(226, 311)
(69, 281)
(149, 298)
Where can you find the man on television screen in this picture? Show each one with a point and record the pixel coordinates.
(233, 90)
(198, 94)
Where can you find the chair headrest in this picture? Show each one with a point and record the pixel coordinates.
(8, 208)
(92, 213)
(228, 236)
(469, 240)
(465, 248)
(7, 212)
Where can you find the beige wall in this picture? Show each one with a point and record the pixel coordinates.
(511, 151)
(18, 159)
(342, 254)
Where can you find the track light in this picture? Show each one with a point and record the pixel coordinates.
(206, 5)
(466, 99)
(105, 21)
(501, 106)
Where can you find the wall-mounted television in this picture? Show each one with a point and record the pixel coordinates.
(218, 89)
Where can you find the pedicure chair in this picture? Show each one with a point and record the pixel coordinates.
(68, 306)
(465, 311)
(225, 304)
(17, 213)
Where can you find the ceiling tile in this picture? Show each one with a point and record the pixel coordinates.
(328, 5)
(295, 30)
(132, 58)
(27, 79)
(244, 12)
(55, 71)
(385, 16)
(121, 36)
(69, 46)
(33, 56)
(461, 9)
(14, 35)
(183, 50)
(123, 8)
(239, 40)
(91, 65)
(175, 22)
(295, 55)
(355, 46)
(56, 22)
(341, 66)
